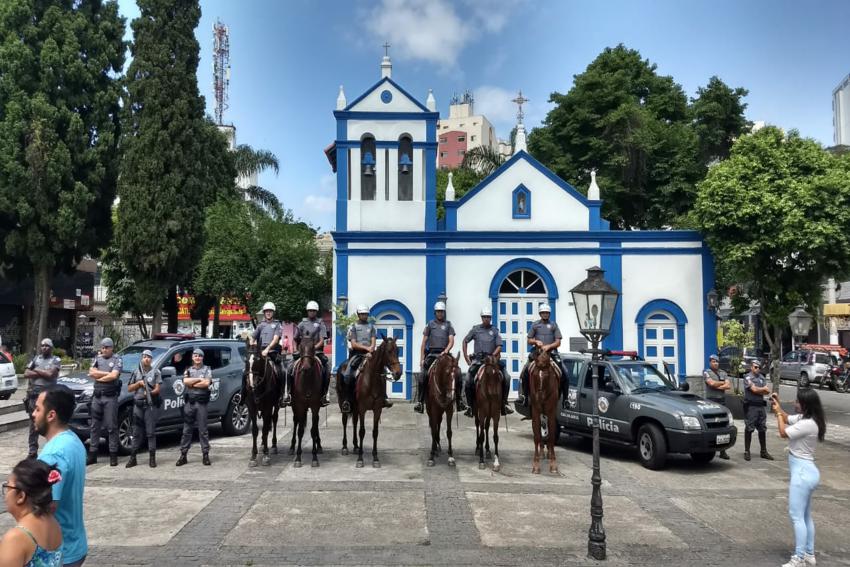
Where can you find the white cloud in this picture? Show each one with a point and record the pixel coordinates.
(323, 200)
(495, 103)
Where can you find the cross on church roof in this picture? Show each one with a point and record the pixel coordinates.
(520, 100)
(386, 47)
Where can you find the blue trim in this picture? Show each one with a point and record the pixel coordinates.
(341, 272)
(595, 220)
(521, 190)
(341, 185)
(524, 264)
(374, 115)
(435, 275)
(530, 251)
(378, 85)
(430, 166)
(522, 235)
(709, 319)
(386, 144)
(612, 262)
(425, 145)
(401, 309)
(681, 321)
(450, 208)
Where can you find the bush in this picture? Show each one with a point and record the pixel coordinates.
(20, 361)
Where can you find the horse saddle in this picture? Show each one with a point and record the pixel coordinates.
(533, 364)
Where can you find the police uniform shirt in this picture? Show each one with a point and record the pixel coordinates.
(438, 333)
(47, 363)
(313, 329)
(754, 380)
(266, 331)
(204, 373)
(486, 339)
(546, 332)
(719, 376)
(152, 377)
(362, 333)
(110, 364)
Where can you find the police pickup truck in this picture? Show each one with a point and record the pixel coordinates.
(171, 355)
(640, 407)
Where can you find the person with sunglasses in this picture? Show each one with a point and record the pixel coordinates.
(197, 379)
(36, 538)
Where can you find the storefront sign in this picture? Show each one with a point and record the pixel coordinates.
(229, 310)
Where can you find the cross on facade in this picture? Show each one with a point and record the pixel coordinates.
(519, 101)
(386, 47)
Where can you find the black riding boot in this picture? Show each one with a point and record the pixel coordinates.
(152, 461)
(748, 439)
(387, 402)
(459, 394)
(523, 380)
(420, 398)
(506, 409)
(469, 390)
(763, 443)
(565, 391)
(326, 382)
(287, 395)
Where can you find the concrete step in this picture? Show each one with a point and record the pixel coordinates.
(11, 406)
(16, 420)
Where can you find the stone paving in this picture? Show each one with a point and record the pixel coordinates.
(407, 513)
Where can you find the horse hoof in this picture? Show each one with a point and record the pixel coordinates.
(451, 461)
(497, 468)
(252, 463)
(359, 464)
(535, 470)
(376, 464)
(344, 451)
(266, 460)
(314, 464)
(297, 464)
(482, 466)
(430, 462)
(553, 470)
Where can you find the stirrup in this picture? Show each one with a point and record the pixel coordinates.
(286, 401)
(325, 402)
(468, 412)
(506, 409)
(387, 403)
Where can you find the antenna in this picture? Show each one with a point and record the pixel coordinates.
(221, 69)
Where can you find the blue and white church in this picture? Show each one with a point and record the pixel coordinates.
(521, 237)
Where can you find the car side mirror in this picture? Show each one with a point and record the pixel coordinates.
(168, 371)
(685, 386)
(611, 387)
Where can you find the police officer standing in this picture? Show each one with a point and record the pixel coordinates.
(546, 336)
(488, 341)
(267, 335)
(716, 384)
(314, 329)
(106, 371)
(362, 337)
(41, 372)
(755, 389)
(197, 380)
(145, 383)
(437, 338)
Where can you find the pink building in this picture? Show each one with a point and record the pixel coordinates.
(451, 149)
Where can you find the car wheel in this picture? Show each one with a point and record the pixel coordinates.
(652, 446)
(235, 421)
(804, 380)
(125, 430)
(841, 386)
(5, 395)
(703, 458)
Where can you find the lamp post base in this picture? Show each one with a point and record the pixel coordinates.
(596, 550)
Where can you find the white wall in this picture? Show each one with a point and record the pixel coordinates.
(387, 130)
(552, 208)
(373, 103)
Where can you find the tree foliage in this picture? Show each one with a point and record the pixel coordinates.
(483, 160)
(60, 64)
(718, 115)
(463, 179)
(250, 162)
(776, 215)
(733, 334)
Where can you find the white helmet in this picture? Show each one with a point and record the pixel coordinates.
(439, 306)
(312, 306)
(267, 306)
(362, 309)
(486, 312)
(544, 308)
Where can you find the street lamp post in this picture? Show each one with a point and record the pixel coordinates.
(801, 323)
(342, 301)
(595, 301)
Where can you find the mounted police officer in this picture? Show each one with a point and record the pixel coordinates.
(362, 337)
(145, 384)
(545, 335)
(106, 371)
(488, 341)
(716, 384)
(41, 372)
(311, 328)
(197, 380)
(755, 389)
(437, 338)
(268, 336)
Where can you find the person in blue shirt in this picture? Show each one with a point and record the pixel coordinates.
(65, 452)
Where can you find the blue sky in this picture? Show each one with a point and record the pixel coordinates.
(289, 57)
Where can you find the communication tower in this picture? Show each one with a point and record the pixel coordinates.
(221, 69)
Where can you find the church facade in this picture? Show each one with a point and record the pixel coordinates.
(521, 237)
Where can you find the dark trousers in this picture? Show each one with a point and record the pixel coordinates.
(29, 406)
(104, 413)
(195, 415)
(430, 357)
(144, 422)
(355, 359)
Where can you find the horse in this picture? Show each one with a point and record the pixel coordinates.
(306, 395)
(341, 395)
(261, 393)
(488, 409)
(440, 400)
(369, 393)
(543, 383)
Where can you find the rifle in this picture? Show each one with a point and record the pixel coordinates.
(148, 397)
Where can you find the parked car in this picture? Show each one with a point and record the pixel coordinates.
(805, 366)
(640, 407)
(726, 355)
(172, 354)
(8, 379)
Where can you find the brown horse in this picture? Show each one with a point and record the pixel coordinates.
(543, 382)
(306, 396)
(488, 409)
(369, 393)
(440, 401)
(261, 392)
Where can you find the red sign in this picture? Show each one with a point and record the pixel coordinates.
(230, 309)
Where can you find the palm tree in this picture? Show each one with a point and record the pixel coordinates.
(250, 162)
(483, 160)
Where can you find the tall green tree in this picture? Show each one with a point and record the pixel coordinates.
(633, 126)
(483, 160)
(250, 162)
(60, 64)
(463, 179)
(175, 162)
(776, 215)
(718, 116)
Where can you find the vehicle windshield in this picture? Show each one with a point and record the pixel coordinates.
(132, 356)
(642, 377)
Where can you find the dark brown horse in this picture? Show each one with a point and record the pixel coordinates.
(369, 393)
(488, 409)
(543, 383)
(440, 401)
(261, 391)
(306, 396)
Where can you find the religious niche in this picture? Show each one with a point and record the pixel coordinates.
(521, 205)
